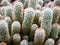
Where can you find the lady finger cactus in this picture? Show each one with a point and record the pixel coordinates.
(18, 11)
(47, 21)
(32, 31)
(24, 42)
(39, 36)
(28, 20)
(49, 42)
(9, 22)
(4, 32)
(54, 31)
(56, 14)
(15, 28)
(5, 3)
(16, 39)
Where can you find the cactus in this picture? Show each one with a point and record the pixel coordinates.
(38, 14)
(32, 31)
(58, 41)
(23, 1)
(1, 17)
(9, 22)
(28, 20)
(31, 43)
(56, 14)
(56, 3)
(4, 32)
(9, 11)
(25, 37)
(39, 36)
(54, 31)
(15, 28)
(47, 21)
(49, 42)
(24, 42)
(16, 39)
(46, 1)
(18, 11)
(5, 3)
(32, 3)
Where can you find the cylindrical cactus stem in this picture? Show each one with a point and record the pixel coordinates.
(9, 11)
(54, 31)
(38, 14)
(5, 3)
(18, 12)
(24, 42)
(32, 31)
(9, 22)
(31, 43)
(16, 39)
(56, 14)
(47, 21)
(49, 42)
(4, 32)
(28, 20)
(32, 3)
(15, 28)
(39, 36)
(25, 37)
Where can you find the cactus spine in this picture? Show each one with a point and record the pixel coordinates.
(15, 28)
(39, 36)
(28, 20)
(24, 42)
(4, 32)
(54, 32)
(16, 39)
(49, 42)
(18, 11)
(32, 31)
(46, 22)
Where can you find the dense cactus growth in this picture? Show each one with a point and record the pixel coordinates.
(15, 28)
(16, 39)
(9, 11)
(46, 1)
(58, 42)
(5, 3)
(24, 42)
(9, 22)
(54, 31)
(28, 20)
(32, 3)
(32, 31)
(56, 14)
(31, 43)
(39, 36)
(4, 32)
(38, 14)
(18, 11)
(49, 42)
(1, 17)
(47, 20)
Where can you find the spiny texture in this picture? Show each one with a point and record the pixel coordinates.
(47, 20)
(56, 14)
(9, 11)
(32, 3)
(9, 22)
(1, 17)
(15, 28)
(5, 3)
(25, 37)
(38, 14)
(18, 11)
(46, 1)
(56, 2)
(4, 32)
(54, 31)
(49, 42)
(24, 42)
(28, 20)
(39, 36)
(16, 39)
(32, 31)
